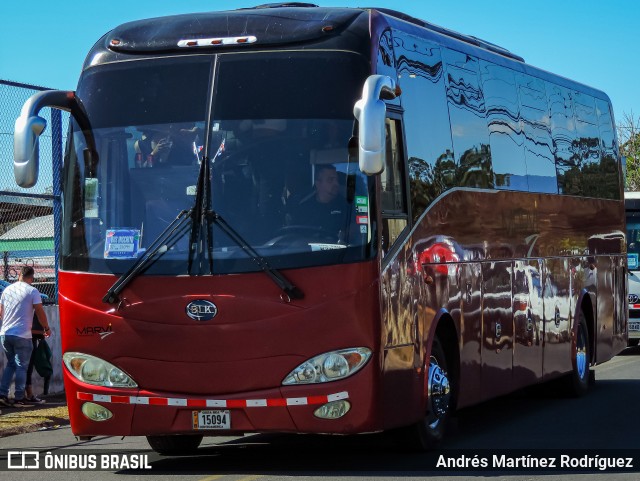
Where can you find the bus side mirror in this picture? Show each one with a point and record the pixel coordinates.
(29, 126)
(371, 111)
(26, 149)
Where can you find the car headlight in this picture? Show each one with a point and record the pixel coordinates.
(329, 366)
(93, 370)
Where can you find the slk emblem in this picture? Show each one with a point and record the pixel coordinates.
(201, 310)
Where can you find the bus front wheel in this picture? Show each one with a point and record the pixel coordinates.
(176, 444)
(427, 433)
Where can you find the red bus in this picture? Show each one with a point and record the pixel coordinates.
(325, 220)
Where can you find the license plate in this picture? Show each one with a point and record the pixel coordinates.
(634, 326)
(212, 419)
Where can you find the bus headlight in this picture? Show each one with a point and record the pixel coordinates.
(93, 370)
(329, 366)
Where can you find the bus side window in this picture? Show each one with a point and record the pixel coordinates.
(393, 188)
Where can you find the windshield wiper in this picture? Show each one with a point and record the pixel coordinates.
(200, 227)
(201, 216)
(165, 241)
(202, 232)
(169, 237)
(281, 281)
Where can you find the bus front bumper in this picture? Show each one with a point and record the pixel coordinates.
(135, 412)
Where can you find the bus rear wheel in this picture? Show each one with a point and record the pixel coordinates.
(577, 383)
(176, 444)
(427, 433)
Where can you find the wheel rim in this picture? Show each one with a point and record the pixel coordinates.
(581, 353)
(439, 394)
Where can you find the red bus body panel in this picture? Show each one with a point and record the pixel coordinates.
(244, 352)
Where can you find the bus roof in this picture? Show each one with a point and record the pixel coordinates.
(279, 25)
(470, 39)
(249, 28)
(307, 17)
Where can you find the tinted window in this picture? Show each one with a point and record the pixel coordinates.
(563, 134)
(609, 152)
(505, 129)
(467, 111)
(154, 92)
(589, 168)
(252, 91)
(385, 64)
(541, 169)
(426, 120)
(393, 194)
(587, 146)
(392, 179)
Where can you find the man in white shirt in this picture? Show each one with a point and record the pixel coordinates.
(17, 305)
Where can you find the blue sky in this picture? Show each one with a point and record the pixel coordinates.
(591, 41)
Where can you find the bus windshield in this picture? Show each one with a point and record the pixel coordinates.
(633, 239)
(275, 128)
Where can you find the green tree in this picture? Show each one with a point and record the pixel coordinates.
(629, 138)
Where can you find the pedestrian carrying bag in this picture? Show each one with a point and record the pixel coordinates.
(42, 360)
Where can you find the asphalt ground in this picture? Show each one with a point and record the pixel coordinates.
(37, 417)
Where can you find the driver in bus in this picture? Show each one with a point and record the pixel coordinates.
(325, 206)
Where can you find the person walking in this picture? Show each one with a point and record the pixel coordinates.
(17, 305)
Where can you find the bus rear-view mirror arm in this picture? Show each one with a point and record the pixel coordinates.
(371, 111)
(29, 126)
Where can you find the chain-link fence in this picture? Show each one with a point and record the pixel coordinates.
(30, 218)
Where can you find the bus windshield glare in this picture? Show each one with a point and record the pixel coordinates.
(275, 128)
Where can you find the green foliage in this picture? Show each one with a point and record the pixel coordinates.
(629, 135)
(428, 181)
(631, 150)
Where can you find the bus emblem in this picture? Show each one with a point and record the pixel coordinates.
(201, 310)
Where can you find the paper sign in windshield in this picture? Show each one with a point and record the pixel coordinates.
(315, 247)
(122, 244)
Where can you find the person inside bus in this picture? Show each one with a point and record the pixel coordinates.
(166, 145)
(325, 206)
(171, 150)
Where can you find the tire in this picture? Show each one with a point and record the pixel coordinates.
(577, 383)
(176, 444)
(633, 342)
(428, 433)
